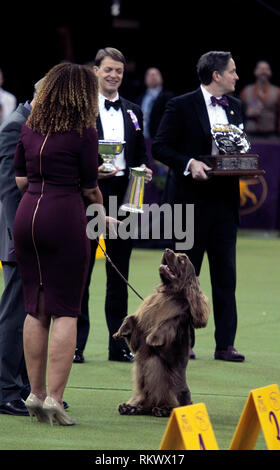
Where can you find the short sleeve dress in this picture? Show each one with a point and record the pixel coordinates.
(51, 244)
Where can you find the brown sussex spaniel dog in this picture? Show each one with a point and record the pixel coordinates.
(158, 335)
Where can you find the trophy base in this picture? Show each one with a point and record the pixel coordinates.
(233, 165)
(108, 168)
(235, 172)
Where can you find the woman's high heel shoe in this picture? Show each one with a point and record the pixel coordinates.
(55, 413)
(35, 408)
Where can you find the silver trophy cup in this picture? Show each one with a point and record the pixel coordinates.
(108, 149)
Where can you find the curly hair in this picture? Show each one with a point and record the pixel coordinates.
(67, 100)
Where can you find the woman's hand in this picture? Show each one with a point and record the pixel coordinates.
(102, 175)
(111, 226)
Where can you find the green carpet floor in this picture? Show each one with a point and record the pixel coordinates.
(96, 387)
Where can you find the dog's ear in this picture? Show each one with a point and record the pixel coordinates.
(198, 303)
(126, 327)
(164, 333)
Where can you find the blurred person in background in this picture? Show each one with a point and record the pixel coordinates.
(8, 101)
(261, 101)
(153, 101)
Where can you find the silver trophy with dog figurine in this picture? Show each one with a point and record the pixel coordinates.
(233, 159)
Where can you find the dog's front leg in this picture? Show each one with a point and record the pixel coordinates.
(129, 331)
(135, 405)
(126, 409)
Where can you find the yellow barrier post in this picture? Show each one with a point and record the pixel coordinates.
(189, 428)
(99, 253)
(261, 411)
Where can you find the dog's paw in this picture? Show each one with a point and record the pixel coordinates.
(161, 412)
(125, 409)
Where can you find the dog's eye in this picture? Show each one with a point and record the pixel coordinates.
(182, 260)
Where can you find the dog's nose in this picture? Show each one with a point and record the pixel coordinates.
(166, 250)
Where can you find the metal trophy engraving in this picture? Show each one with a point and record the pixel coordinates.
(108, 149)
(134, 197)
(233, 158)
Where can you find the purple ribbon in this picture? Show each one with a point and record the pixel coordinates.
(220, 101)
(134, 120)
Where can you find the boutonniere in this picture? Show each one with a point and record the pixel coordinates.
(134, 120)
(231, 112)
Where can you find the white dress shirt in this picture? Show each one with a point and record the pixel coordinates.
(216, 114)
(113, 128)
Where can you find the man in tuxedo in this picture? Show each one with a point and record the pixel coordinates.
(183, 137)
(118, 120)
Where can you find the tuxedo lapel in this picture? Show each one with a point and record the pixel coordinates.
(232, 114)
(202, 112)
(99, 128)
(128, 128)
(128, 124)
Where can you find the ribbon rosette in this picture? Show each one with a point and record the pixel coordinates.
(134, 120)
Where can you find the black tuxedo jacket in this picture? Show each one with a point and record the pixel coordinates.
(184, 133)
(135, 148)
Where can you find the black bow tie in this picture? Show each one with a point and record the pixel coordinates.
(221, 101)
(116, 104)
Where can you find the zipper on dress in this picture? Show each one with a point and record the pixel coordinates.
(35, 212)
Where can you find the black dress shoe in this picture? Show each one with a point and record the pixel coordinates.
(14, 407)
(78, 356)
(122, 355)
(230, 354)
(192, 354)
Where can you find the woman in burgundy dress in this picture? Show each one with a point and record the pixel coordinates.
(56, 165)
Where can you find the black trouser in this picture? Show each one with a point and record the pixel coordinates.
(215, 232)
(13, 376)
(119, 252)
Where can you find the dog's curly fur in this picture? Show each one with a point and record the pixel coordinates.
(158, 335)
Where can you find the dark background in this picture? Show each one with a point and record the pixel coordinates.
(169, 35)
